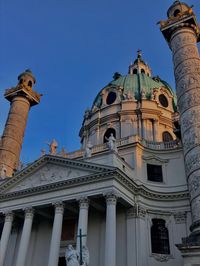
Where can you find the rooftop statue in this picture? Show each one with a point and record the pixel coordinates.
(88, 150)
(3, 172)
(53, 147)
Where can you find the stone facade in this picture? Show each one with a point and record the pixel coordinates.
(114, 197)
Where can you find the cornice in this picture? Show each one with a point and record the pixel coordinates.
(102, 176)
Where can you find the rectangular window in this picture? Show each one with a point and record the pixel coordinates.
(154, 173)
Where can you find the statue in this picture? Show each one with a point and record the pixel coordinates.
(53, 147)
(3, 172)
(88, 150)
(143, 94)
(112, 143)
(72, 256)
(43, 152)
(62, 153)
(86, 256)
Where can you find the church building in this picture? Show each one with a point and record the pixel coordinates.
(131, 195)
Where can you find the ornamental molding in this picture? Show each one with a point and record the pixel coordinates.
(180, 217)
(155, 159)
(101, 176)
(136, 211)
(162, 257)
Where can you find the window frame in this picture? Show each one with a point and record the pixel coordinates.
(148, 169)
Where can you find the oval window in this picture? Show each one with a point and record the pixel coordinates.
(163, 100)
(111, 97)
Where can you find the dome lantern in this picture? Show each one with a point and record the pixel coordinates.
(139, 66)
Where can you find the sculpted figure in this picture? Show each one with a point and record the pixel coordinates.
(3, 172)
(53, 147)
(112, 143)
(71, 256)
(88, 150)
(86, 256)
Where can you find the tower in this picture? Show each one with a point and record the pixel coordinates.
(181, 31)
(21, 98)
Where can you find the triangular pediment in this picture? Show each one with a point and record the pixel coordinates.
(49, 170)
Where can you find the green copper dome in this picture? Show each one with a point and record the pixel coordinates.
(136, 85)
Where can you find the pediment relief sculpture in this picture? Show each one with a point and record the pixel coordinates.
(49, 174)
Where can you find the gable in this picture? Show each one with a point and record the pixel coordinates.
(49, 172)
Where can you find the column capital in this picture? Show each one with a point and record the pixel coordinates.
(131, 212)
(9, 215)
(84, 203)
(59, 206)
(29, 212)
(111, 198)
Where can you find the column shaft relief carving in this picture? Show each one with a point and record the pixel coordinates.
(187, 75)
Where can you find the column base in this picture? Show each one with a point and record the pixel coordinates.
(190, 249)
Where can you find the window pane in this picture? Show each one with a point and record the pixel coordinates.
(159, 237)
(154, 173)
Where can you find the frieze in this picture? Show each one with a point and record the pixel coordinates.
(187, 67)
(192, 163)
(192, 160)
(189, 99)
(182, 39)
(191, 138)
(187, 83)
(194, 184)
(190, 118)
(185, 53)
(195, 209)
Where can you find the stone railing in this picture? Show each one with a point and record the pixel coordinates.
(161, 145)
(125, 141)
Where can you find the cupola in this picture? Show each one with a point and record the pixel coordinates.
(139, 66)
(27, 78)
(178, 9)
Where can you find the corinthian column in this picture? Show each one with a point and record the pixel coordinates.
(5, 236)
(110, 237)
(56, 235)
(26, 233)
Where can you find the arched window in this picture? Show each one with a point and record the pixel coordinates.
(159, 237)
(109, 131)
(142, 71)
(135, 71)
(166, 136)
(30, 83)
(176, 12)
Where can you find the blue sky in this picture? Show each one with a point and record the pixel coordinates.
(73, 48)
